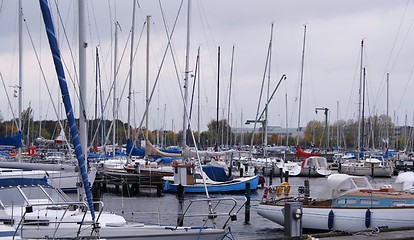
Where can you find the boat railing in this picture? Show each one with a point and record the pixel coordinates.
(213, 213)
(284, 191)
(67, 207)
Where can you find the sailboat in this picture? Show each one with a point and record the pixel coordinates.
(62, 174)
(50, 214)
(374, 166)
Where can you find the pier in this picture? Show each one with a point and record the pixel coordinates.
(131, 184)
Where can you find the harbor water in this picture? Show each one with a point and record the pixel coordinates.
(163, 210)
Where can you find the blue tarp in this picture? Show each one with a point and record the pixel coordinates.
(216, 173)
(166, 160)
(140, 152)
(15, 140)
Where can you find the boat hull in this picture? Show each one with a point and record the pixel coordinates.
(344, 219)
(366, 171)
(225, 187)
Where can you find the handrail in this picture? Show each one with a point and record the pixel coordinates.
(67, 206)
(212, 214)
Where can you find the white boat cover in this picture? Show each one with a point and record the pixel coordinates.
(341, 184)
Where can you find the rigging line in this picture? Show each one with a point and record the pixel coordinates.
(405, 89)
(159, 70)
(396, 37)
(353, 86)
(71, 57)
(8, 100)
(203, 26)
(95, 22)
(182, 96)
(113, 84)
(261, 91)
(383, 84)
(44, 80)
(107, 99)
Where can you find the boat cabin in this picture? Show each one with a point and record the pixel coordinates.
(183, 174)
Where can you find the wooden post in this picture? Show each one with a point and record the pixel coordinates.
(247, 207)
(281, 174)
(180, 213)
(159, 189)
(271, 177)
(287, 176)
(307, 192)
(96, 195)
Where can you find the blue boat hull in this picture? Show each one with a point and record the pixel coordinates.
(224, 187)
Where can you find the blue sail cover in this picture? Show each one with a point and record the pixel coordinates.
(134, 151)
(215, 173)
(50, 30)
(15, 141)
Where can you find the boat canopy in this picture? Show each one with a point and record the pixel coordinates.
(215, 173)
(341, 184)
(15, 141)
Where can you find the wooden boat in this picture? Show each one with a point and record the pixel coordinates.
(196, 181)
(347, 203)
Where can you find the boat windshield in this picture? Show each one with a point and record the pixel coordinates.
(35, 194)
(322, 162)
(11, 197)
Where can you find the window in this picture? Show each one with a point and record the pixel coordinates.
(346, 201)
(11, 196)
(369, 201)
(398, 203)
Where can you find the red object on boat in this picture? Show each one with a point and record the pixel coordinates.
(32, 151)
(302, 154)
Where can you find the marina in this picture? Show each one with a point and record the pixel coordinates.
(163, 210)
(113, 162)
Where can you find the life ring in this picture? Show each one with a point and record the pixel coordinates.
(284, 187)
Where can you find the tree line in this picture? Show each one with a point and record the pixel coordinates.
(374, 133)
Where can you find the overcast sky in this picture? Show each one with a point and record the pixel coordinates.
(331, 67)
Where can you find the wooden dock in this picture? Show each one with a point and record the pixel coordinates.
(130, 184)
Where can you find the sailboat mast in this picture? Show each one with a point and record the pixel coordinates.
(301, 82)
(387, 122)
(147, 78)
(187, 59)
(131, 59)
(268, 90)
(198, 99)
(82, 79)
(115, 100)
(20, 74)
(359, 102)
(218, 100)
(363, 112)
(228, 111)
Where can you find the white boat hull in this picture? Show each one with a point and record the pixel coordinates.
(365, 171)
(344, 219)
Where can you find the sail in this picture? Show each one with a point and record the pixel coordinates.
(150, 150)
(47, 18)
(131, 150)
(302, 154)
(15, 141)
(188, 153)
